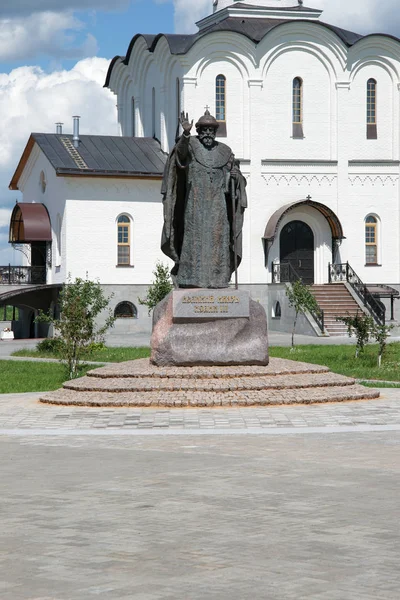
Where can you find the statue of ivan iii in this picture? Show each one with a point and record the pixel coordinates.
(200, 177)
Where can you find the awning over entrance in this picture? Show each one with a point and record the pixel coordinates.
(273, 223)
(29, 223)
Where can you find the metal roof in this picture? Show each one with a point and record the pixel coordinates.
(30, 222)
(253, 28)
(273, 223)
(97, 155)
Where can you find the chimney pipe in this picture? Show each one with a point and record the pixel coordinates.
(75, 137)
(59, 128)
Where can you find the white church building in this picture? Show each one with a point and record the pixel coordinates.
(312, 112)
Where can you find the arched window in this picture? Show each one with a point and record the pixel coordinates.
(125, 310)
(297, 108)
(372, 132)
(277, 311)
(220, 104)
(153, 113)
(124, 241)
(371, 240)
(133, 118)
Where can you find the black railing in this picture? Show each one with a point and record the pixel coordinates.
(18, 275)
(286, 273)
(343, 272)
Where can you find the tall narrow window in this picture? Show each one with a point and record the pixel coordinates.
(372, 132)
(220, 104)
(124, 241)
(371, 240)
(153, 113)
(297, 108)
(133, 118)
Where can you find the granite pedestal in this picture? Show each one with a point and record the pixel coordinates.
(209, 327)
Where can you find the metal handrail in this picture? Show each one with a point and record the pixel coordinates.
(343, 272)
(22, 275)
(286, 273)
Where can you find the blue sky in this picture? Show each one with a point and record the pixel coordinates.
(54, 56)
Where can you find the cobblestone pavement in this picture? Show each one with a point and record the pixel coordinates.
(292, 517)
(23, 412)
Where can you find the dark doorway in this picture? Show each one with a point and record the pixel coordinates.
(297, 248)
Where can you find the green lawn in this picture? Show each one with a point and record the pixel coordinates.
(341, 359)
(102, 355)
(24, 376)
(34, 376)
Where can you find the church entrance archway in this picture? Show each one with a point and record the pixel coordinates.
(297, 248)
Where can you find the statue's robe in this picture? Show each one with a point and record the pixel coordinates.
(198, 224)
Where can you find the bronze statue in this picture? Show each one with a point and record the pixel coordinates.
(204, 198)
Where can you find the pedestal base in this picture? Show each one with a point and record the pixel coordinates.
(208, 341)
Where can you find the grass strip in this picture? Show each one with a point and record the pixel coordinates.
(341, 359)
(117, 354)
(25, 376)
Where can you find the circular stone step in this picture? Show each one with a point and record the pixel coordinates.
(226, 384)
(209, 399)
(143, 368)
(138, 383)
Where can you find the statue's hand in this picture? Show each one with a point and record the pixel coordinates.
(184, 121)
(235, 173)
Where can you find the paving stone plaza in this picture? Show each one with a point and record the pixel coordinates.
(288, 503)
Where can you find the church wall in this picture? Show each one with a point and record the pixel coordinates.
(355, 117)
(93, 207)
(276, 133)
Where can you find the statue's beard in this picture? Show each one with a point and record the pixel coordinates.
(207, 141)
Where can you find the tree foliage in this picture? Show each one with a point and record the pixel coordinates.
(301, 299)
(159, 288)
(364, 327)
(360, 325)
(81, 301)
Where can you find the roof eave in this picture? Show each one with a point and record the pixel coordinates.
(22, 163)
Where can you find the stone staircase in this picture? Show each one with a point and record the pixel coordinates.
(336, 301)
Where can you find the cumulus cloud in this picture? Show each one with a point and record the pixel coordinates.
(27, 7)
(5, 214)
(32, 100)
(53, 33)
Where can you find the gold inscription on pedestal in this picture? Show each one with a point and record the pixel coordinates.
(214, 304)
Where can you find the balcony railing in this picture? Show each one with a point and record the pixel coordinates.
(22, 275)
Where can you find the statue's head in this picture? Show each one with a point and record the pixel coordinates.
(206, 128)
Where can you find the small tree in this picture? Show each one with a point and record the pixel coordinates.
(159, 288)
(301, 299)
(381, 333)
(361, 325)
(81, 301)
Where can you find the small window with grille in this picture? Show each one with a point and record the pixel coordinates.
(125, 310)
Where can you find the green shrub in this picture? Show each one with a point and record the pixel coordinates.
(51, 346)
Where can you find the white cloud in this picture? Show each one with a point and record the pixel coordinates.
(53, 33)
(32, 100)
(5, 214)
(27, 7)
